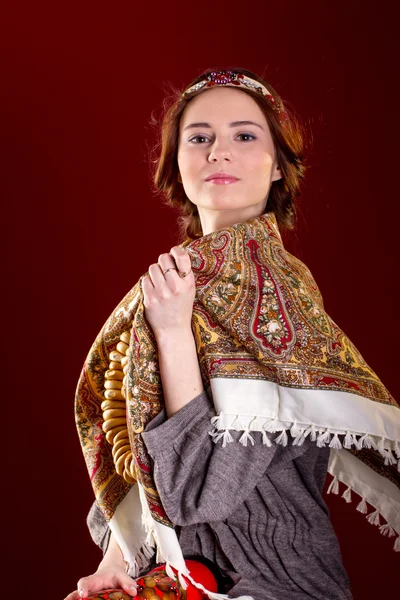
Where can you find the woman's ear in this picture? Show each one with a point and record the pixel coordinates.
(276, 173)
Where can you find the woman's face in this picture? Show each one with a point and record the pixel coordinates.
(211, 141)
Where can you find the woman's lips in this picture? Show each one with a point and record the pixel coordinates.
(222, 180)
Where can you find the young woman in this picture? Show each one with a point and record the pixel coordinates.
(233, 326)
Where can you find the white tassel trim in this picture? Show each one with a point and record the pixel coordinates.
(212, 595)
(282, 438)
(171, 574)
(246, 437)
(335, 442)
(389, 449)
(362, 507)
(271, 426)
(373, 518)
(349, 440)
(397, 448)
(324, 438)
(311, 431)
(224, 435)
(265, 439)
(386, 529)
(365, 441)
(295, 431)
(334, 486)
(347, 494)
(217, 420)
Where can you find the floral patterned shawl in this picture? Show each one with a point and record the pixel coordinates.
(274, 361)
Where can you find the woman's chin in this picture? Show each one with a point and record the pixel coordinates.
(224, 201)
(227, 205)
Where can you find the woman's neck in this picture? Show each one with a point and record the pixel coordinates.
(212, 220)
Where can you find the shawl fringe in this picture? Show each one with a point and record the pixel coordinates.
(262, 309)
(212, 595)
(323, 436)
(146, 551)
(141, 560)
(374, 517)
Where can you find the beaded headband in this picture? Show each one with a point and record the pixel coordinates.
(230, 78)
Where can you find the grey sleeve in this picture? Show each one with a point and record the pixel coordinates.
(98, 527)
(200, 481)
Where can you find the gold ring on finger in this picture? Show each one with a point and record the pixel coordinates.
(170, 269)
(182, 274)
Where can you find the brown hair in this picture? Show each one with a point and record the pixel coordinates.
(288, 142)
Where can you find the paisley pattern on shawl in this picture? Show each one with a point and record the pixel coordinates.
(258, 315)
(109, 487)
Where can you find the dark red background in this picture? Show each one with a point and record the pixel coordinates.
(78, 84)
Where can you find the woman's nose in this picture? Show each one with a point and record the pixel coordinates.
(220, 150)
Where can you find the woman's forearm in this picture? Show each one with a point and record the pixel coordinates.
(113, 555)
(179, 369)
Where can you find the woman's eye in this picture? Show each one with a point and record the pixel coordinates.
(202, 137)
(248, 135)
(196, 137)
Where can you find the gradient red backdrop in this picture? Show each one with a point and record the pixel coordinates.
(79, 82)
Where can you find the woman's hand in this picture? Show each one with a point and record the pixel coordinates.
(107, 576)
(168, 297)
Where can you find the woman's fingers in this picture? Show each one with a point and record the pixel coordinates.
(128, 588)
(168, 297)
(103, 580)
(182, 259)
(73, 596)
(164, 274)
(156, 275)
(128, 585)
(166, 261)
(86, 585)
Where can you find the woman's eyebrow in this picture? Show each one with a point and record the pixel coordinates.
(233, 124)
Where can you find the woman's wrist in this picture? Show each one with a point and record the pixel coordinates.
(169, 338)
(113, 556)
(113, 562)
(179, 369)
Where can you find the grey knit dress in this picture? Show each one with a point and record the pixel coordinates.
(255, 511)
